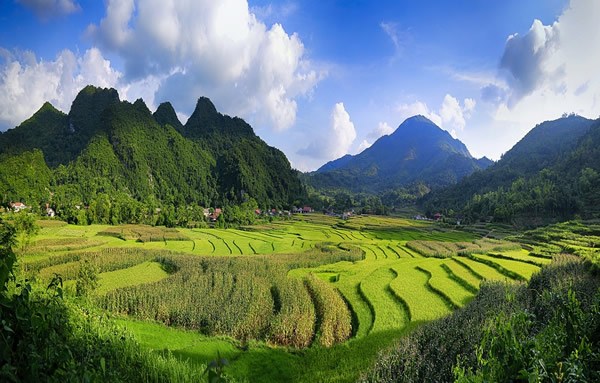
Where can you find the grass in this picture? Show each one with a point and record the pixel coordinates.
(185, 344)
(525, 270)
(463, 274)
(260, 362)
(440, 282)
(411, 287)
(389, 292)
(143, 273)
(487, 272)
(389, 312)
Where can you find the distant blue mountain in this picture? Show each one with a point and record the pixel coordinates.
(418, 151)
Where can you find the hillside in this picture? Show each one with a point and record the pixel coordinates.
(417, 152)
(120, 156)
(547, 176)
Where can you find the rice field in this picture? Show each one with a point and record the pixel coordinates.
(309, 283)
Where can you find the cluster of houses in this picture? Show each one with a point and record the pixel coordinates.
(20, 206)
(436, 217)
(287, 213)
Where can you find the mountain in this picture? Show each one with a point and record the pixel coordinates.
(539, 178)
(417, 152)
(112, 152)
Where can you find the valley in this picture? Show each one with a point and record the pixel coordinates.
(255, 295)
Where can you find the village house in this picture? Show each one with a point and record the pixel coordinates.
(215, 215)
(18, 206)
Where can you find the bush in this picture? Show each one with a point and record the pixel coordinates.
(546, 330)
(44, 338)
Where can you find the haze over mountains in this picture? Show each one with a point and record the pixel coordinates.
(418, 151)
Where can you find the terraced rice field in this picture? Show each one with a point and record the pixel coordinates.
(386, 289)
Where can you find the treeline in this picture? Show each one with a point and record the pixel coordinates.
(531, 189)
(387, 202)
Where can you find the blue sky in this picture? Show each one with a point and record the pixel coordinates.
(317, 79)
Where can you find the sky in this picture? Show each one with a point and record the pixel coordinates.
(317, 79)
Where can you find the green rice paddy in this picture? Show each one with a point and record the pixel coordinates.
(389, 291)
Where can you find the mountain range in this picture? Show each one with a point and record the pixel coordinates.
(105, 148)
(418, 151)
(552, 174)
(126, 163)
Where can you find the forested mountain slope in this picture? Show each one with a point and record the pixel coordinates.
(550, 175)
(115, 156)
(417, 152)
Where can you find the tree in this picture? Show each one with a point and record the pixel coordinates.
(26, 227)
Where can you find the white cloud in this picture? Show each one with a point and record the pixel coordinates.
(338, 139)
(46, 9)
(382, 129)
(552, 69)
(217, 49)
(451, 115)
(526, 59)
(27, 83)
(363, 145)
(418, 108)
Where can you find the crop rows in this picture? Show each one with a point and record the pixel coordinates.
(439, 249)
(333, 317)
(108, 259)
(244, 297)
(313, 281)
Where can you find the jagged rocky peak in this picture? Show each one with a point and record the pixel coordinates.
(165, 115)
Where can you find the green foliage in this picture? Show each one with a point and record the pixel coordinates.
(43, 338)
(555, 342)
(294, 321)
(215, 370)
(26, 227)
(549, 176)
(24, 177)
(333, 317)
(440, 249)
(114, 162)
(574, 237)
(546, 330)
(243, 297)
(87, 278)
(7, 256)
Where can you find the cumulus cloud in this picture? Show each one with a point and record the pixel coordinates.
(551, 69)
(527, 59)
(451, 115)
(363, 145)
(46, 9)
(337, 139)
(27, 82)
(214, 48)
(382, 129)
